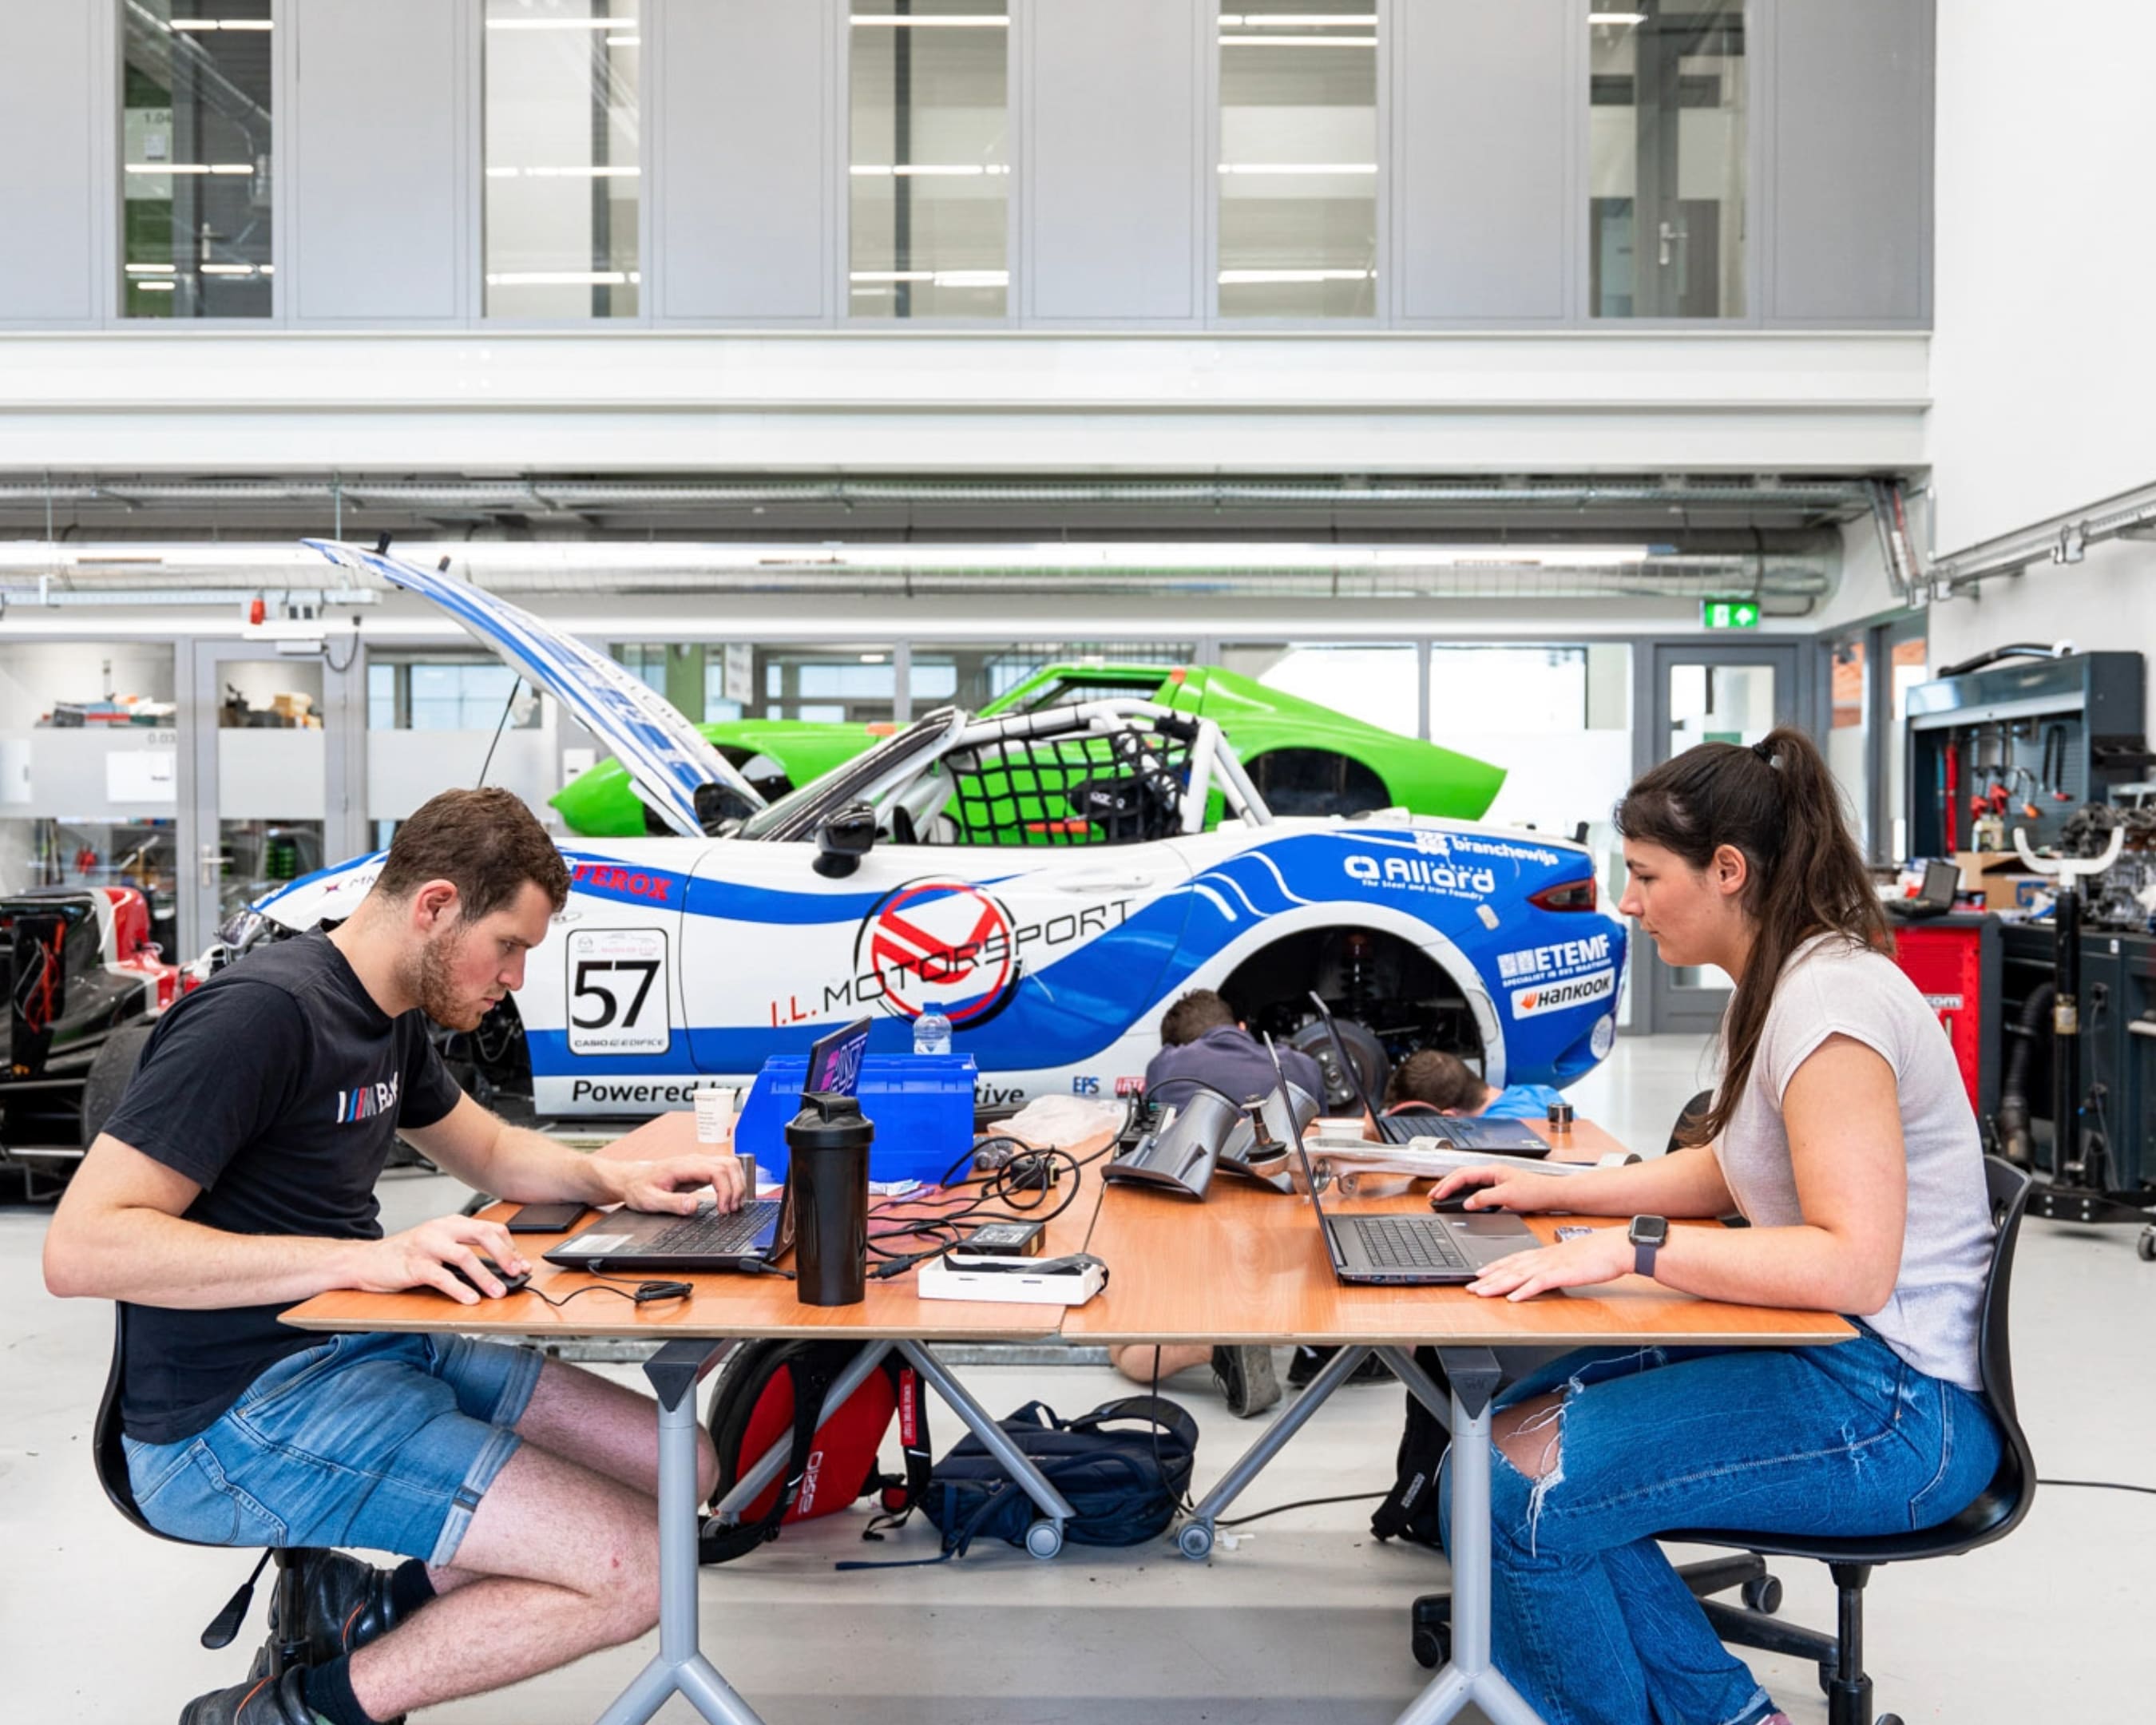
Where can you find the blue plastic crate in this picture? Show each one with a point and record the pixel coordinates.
(922, 1106)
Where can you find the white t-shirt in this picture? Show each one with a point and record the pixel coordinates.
(1833, 986)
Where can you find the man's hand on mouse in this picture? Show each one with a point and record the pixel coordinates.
(419, 1257)
(1496, 1188)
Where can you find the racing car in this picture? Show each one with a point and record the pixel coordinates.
(85, 986)
(1052, 878)
(1304, 758)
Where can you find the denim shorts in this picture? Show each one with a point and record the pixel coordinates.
(381, 1441)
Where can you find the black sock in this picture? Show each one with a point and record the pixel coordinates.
(328, 1693)
(408, 1589)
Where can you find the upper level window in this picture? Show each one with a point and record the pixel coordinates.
(195, 158)
(1298, 171)
(562, 167)
(929, 160)
(1667, 153)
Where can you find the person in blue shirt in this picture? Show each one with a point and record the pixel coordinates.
(1428, 1079)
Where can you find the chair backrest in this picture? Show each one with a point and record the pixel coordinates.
(2005, 1500)
(107, 1452)
(1694, 1111)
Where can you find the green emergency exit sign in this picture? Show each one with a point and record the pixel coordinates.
(1729, 613)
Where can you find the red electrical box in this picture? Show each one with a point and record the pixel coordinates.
(1953, 961)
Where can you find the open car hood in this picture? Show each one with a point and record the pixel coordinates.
(681, 777)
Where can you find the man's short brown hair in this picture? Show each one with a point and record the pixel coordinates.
(1192, 1015)
(486, 844)
(1443, 1081)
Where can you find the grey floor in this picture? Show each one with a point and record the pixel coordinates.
(1304, 1617)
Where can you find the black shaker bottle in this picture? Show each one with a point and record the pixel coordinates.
(827, 1148)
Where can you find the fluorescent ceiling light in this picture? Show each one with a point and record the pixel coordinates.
(1248, 278)
(152, 268)
(155, 287)
(607, 171)
(929, 20)
(222, 23)
(872, 659)
(1298, 42)
(227, 269)
(563, 278)
(940, 278)
(1620, 18)
(1302, 20)
(1298, 167)
(190, 168)
(624, 42)
(926, 170)
(558, 23)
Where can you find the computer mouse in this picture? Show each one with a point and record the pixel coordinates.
(1452, 1206)
(509, 1283)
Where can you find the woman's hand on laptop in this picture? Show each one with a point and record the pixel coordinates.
(1499, 1188)
(1600, 1254)
(676, 1183)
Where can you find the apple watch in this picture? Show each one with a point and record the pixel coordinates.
(1647, 1234)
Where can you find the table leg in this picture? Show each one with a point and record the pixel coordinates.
(772, 1462)
(674, 1372)
(1045, 1538)
(1470, 1675)
(1194, 1537)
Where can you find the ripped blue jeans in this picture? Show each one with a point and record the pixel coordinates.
(1589, 1620)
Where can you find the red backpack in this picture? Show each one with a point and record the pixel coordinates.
(770, 1389)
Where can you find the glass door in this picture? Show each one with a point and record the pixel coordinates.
(1709, 695)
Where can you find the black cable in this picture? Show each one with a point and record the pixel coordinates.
(2101, 1485)
(500, 725)
(1259, 1515)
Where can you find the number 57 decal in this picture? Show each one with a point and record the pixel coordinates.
(618, 991)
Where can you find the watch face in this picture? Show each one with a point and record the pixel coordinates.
(1650, 1230)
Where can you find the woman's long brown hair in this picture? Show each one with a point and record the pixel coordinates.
(1777, 802)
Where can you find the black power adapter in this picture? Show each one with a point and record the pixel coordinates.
(1001, 1240)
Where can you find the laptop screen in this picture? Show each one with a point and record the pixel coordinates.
(834, 1061)
(1309, 1172)
(1942, 881)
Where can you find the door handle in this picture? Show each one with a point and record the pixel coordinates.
(1106, 883)
(2140, 1027)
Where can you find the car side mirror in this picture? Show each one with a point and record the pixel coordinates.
(847, 834)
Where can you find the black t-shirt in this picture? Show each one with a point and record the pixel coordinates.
(1230, 1060)
(278, 1087)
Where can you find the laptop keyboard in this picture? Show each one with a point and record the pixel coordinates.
(1408, 1243)
(707, 1231)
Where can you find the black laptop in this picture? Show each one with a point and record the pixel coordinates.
(1456, 1132)
(1934, 898)
(1409, 1249)
(760, 1232)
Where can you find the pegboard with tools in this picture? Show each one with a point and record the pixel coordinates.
(2024, 744)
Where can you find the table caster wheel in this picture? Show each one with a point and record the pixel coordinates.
(1195, 1540)
(2146, 1245)
(1432, 1648)
(1043, 1539)
(1763, 1594)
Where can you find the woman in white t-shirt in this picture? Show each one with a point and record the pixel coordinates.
(1841, 1132)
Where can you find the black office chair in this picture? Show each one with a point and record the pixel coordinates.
(1998, 1510)
(288, 1645)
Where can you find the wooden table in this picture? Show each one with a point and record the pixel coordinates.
(693, 1335)
(1246, 1265)
(1249, 1265)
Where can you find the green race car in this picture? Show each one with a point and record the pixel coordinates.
(1304, 758)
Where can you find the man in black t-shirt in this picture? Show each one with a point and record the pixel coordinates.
(236, 1178)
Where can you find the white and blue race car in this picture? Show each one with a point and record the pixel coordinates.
(1052, 879)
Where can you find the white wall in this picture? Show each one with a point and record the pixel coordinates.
(2044, 354)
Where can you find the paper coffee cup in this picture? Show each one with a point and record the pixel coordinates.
(714, 1112)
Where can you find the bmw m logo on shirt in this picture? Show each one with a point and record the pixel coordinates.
(367, 1102)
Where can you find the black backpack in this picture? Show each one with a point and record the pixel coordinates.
(1409, 1510)
(1124, 1469)
(770, 1389)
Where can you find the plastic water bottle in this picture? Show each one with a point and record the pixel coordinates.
(932, 1030)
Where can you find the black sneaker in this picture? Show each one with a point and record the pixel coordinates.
(1245, 1377)
(1309, 1362)
(260, 1700)
(345, 1604)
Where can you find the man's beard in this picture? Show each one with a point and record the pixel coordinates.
(436, 989)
